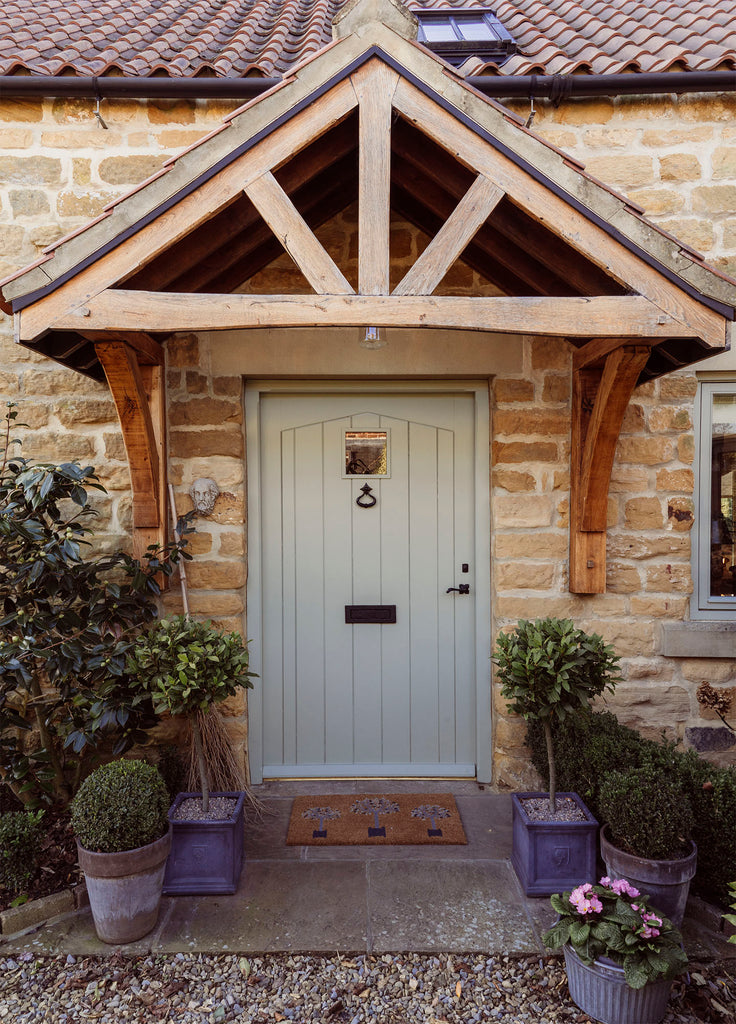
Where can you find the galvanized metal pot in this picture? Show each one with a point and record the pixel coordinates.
(125, 889)
(601, 991)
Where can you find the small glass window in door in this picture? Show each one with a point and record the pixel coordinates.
(366, 453)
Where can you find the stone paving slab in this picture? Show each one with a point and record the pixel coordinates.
(281, 906)
(438, 905)
(463, 898)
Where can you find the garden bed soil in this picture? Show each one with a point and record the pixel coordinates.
(57, 859)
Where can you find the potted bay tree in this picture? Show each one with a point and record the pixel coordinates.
(549, 669)
(189, 667)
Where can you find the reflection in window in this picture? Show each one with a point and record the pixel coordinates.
(723, 492)
(366, 452)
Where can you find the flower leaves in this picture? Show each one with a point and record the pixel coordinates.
(623, 931)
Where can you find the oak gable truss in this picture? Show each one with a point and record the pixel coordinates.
(375, 119)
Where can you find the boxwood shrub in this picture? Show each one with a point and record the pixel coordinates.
(120, 806)
(20, 834)
(593, 743)
(647, 813)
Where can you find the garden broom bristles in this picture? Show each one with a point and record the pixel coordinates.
(225, 773)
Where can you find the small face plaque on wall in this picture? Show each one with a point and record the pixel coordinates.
(366, 453)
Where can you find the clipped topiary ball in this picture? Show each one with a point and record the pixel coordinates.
(648, 813)
(120, 806)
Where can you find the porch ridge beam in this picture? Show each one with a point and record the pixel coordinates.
(573, 317)
(374, 87)
(296, 236)
(455, 234)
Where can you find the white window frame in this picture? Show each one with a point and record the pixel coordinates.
(704, 605)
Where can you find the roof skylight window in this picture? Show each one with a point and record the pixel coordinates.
(457, 35)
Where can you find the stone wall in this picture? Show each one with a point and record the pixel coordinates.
(675, 157)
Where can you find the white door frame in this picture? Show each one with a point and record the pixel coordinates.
(482, 555)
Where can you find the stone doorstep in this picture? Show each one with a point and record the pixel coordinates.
(40, 911)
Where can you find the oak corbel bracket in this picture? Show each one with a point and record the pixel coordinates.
(600, 397)
(138, 393)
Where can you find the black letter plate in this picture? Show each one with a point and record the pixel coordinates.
(370, 613)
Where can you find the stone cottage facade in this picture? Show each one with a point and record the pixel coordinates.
(224, 403)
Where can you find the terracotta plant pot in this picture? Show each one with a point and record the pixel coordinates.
(125, 889)
(601, 991)
(666, 882)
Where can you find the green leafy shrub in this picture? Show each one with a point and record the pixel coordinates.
(172, 769)
(120, 806)
(590, 744)
(731, 918)
(67, 619)
(586, 746)
(647, 813)
(20, 832)
(550, 670)
(188, 667)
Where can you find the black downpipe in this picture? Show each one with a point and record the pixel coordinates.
(554, 87)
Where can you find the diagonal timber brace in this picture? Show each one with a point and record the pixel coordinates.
(138, 393)
(600, 397)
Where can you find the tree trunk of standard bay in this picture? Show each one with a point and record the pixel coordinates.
(197, 737)
(551, 763)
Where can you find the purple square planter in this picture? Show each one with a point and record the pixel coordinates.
(206, 856)
(551, 856)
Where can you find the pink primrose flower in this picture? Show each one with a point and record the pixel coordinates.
(605, 881)
(622, 888)
(584, 904)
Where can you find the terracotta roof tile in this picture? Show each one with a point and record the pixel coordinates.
(232, 38)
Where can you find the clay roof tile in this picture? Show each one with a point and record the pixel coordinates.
(235, 37)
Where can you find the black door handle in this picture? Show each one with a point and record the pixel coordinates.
(464, 588)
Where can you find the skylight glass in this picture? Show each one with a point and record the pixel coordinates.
(475, 28)
(458, 34)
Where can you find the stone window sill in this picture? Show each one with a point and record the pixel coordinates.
(706, 639)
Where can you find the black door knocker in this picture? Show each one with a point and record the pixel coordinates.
(366, 498)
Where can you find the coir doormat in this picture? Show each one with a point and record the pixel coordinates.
(375, 819)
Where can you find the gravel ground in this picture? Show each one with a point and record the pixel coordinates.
(364, 989)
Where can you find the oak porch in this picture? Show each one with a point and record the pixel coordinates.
(375, 134)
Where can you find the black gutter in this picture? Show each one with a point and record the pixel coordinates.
(554, 87)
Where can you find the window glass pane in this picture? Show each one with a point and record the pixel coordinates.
(474, 28)
(366, 452)
(439, 31)
(723, 495)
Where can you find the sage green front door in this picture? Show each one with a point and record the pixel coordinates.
(367, 520)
